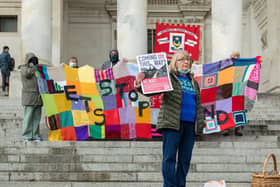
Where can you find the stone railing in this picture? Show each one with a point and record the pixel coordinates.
(150, 2)
(163, 2)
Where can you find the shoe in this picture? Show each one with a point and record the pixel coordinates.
(238, 134)
(225, 133)
(6, 93)
(237, 131)
(37, 141)
(25, 141)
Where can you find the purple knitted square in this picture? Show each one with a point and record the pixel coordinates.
(82, 132)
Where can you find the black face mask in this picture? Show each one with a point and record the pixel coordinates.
(34, 61)
(114, 58)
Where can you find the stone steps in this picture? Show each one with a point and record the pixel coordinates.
(99, 176)
(98, 184)
(12, 131)
(265, 113)
(122, 167)
(104, 163)
(11, 128)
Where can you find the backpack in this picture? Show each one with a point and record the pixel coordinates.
(12, 64)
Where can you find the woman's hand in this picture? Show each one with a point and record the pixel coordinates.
(139, 77)
(125, 60)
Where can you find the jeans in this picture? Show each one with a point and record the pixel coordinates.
(177, 142)
(5, 79)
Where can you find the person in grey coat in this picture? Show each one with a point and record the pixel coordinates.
(31, 99)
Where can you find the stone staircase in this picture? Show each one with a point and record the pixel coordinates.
(124, 163)
(134, 163)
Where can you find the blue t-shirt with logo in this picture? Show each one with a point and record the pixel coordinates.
(188, 106)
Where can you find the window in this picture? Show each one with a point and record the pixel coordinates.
(151, 40)
(8, 23)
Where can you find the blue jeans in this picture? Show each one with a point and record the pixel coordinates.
(5, 79)
(181, 142)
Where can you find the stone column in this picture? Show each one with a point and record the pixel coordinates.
(36, 28)
(131, 28)
(226, 28)
(36, 37)
(57, 29)
(271, 52)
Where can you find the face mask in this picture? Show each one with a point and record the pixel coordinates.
(73, 64)
(114, 58)
(184, 72)
(34, 61)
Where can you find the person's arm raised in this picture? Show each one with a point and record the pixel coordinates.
(139, 77)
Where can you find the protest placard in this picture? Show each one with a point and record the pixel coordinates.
(155, 68)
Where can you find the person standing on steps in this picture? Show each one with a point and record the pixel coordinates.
(31, 99)
(6, 64)
(180, 119)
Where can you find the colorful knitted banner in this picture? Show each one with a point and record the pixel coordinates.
(170, 38)
(85, 103)
(228, 90)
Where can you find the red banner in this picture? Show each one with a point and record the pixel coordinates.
(170, 38)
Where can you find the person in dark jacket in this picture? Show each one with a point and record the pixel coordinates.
(114, 59)
(31, 99)
(180, 117)
(5, 63)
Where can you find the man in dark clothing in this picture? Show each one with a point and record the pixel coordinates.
(5, 63)
(114, 59)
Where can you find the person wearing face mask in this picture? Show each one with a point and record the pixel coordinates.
(31, 99)
(73, 62)
(114, 59)
(180, 118)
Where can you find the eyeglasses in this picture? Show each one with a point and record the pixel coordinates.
(185, 59)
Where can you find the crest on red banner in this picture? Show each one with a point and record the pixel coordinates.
(170, 38)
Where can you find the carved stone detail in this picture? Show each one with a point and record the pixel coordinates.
(260, 12)
(195, 2)
(264, 40)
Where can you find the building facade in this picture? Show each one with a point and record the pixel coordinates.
(55, 30)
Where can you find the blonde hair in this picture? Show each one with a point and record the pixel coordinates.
(173, 65)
